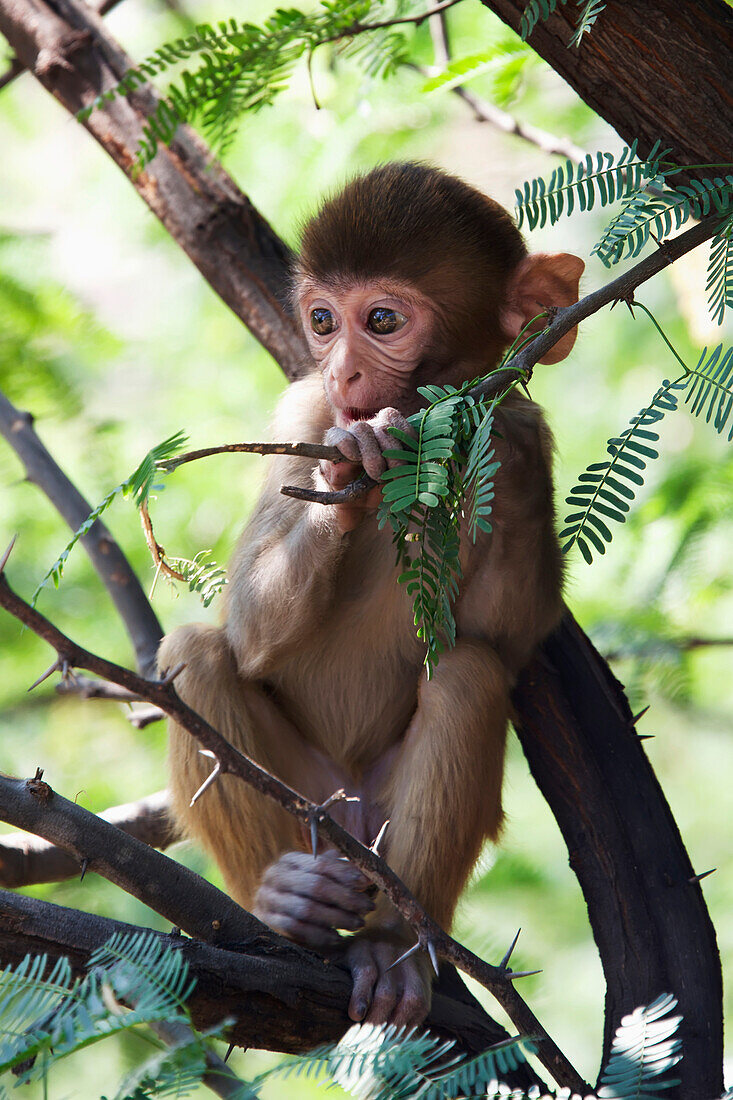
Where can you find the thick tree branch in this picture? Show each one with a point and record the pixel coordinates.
(661, 70)
(229, 760)
(184, 898)
(280, 999)
(67, 47)
(107, 558)
(26, 859)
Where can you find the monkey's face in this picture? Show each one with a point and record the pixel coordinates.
(368, 338)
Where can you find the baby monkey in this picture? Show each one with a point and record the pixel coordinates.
(405, 278)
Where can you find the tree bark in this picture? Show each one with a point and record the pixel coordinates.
(281, 997)
(653, 69)
(66, 46)
(646, 908)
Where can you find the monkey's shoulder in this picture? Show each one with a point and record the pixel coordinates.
(302, 413)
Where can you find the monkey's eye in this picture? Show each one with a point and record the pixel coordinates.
(382, 321)
(322, 321)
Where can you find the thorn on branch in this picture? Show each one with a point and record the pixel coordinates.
(314, 835)
(55, 667)
(507, 957)
(38, 787)
(374, 846)
(410, 951)
(208, 782)
(645, 736)
(640, 715)
(699, 878)
(338, 796)
(84, 865)
(512, 974)
(433, 956)
(229, 1052)
(7, 554)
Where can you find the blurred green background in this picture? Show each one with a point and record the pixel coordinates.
(112, 339)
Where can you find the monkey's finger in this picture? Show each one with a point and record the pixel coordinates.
(346, 443)
(306, 908)
(384, 1000)
(310, 935)
(345, 898)
(413, 1001)
(364, 974)
(372, 459)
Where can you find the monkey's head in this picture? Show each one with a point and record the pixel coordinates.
(409, 276)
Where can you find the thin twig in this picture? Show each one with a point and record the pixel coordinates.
(156, 550)
(233, 762)
(299, 450)
(357, 28)
(484, 111)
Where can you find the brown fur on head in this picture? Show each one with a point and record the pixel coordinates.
(421, 226)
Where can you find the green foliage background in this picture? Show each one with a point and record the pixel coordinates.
(111, 338)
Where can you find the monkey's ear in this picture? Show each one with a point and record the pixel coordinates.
(542, 279)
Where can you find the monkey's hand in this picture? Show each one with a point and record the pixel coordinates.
(362, 445)
(307, 899)
(399, 996)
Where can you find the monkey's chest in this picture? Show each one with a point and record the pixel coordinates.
(352, 689)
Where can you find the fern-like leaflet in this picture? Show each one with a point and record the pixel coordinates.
(606, 489)
(644, 1049)
(719, 283)
(605, 180)
(591, 10)
(243, 67)
(537, 10)
(138, 485)
(657, 214)
(205, 578)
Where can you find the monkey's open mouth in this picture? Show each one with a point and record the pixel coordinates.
(360, 414)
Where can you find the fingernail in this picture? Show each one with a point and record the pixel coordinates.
(361, 1009)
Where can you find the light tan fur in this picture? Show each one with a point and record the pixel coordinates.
(317, 672)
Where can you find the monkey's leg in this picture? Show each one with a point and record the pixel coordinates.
(442, 798)
(258, 846)
(243, 830)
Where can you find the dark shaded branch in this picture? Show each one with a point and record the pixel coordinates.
(647, 911)
(106, 556)
(230, 761)
(69, 50)
(280, 998)
(653, 71)
(26, 859)
(184, 898)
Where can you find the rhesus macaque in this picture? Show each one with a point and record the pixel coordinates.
(408, 276)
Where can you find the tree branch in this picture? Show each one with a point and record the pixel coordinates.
(71, 53)
(184, 898)
(107, 558)
(229, 760)
(26, 859)
(282, 1000)
(635, 70)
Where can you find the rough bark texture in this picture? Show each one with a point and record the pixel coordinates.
(653, 69)
(281, 996)
(68, 49)
(646, 909)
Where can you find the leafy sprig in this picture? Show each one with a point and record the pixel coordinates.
(539, 10)
(243, 67)
(139, 485)
(606, 489)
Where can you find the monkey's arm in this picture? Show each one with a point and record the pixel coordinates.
(444, 793)
(283, 574)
